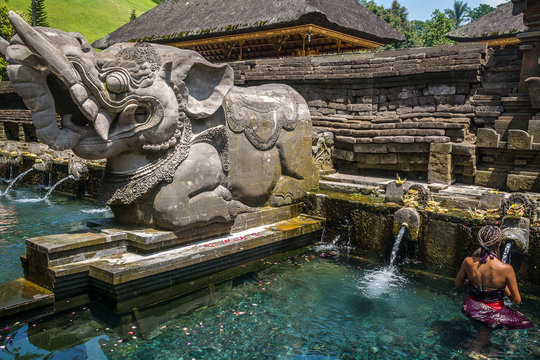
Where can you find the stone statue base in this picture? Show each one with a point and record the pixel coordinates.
(120, 263)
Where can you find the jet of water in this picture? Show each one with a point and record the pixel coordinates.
(396, 245)
(20, 176)
(48, 192)
(506, 254)
(55, 185)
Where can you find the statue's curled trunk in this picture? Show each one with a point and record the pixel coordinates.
(30, 80)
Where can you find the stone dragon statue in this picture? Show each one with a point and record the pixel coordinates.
(184, 146)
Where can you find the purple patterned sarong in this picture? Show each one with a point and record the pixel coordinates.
(495, 315)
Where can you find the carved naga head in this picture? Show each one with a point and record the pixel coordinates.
(127, 98)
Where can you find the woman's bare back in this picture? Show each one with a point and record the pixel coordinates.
(493, 274)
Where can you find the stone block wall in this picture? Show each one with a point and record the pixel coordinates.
(389, 111)
(15, 118)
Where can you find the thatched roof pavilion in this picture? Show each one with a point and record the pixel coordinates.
(223, 30)
(497, 28)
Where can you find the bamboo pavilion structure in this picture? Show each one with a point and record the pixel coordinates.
(229, 30)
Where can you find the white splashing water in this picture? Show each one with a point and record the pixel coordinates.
(381, 282)
(506, 252)
(55, 185)
(20, 176)
(96, 211)
(328, 246)
(385, 281)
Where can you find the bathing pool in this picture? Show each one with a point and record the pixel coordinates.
(315, 304)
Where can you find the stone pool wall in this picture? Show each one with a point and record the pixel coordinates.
(366, 224)
(443, 114)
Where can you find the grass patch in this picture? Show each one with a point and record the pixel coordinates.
(92, 18)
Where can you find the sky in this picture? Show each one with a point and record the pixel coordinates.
(422, 9)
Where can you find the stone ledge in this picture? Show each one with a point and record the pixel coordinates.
(21, 295)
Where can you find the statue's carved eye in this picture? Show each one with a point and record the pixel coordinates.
(117, 82)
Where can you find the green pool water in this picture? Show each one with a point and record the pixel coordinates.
(317, 305)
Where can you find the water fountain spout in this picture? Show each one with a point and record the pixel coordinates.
(409, 218)
(43, 163)
(515, 227)
(77, 167)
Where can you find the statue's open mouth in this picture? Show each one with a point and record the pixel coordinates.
(84, 105)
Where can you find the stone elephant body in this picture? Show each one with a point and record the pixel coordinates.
(203, 191)
(184, 146)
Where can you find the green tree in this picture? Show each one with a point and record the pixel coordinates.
(396, 16)
(6, 31)
(133, 15)
(459, 13)
(37, 13)
(417, 35)
(436, 29)
(480, 11)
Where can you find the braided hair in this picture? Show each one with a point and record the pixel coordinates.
(489, 239)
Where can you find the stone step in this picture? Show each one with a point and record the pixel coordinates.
(457, 202)
(20, 296)
(348, 188)
(357, 179)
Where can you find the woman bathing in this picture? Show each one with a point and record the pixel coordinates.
(489, 280)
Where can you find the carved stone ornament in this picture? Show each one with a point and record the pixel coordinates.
(322, 149)
(261, 115)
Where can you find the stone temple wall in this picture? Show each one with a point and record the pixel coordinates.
(443, 114)
(416, 112)
(15, 118)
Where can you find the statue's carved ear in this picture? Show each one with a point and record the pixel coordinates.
(207, 85)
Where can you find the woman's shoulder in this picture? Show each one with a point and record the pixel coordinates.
(468, 262)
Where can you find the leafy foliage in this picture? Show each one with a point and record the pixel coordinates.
(436, 29)
(6, 32)
(396, 16)
(40, 16)
(133, 15)
(480, 11)
(419, 33)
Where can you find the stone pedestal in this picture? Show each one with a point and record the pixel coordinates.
(119, 263)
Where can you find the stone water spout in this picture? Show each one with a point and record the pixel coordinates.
(518, 210)
(410, 218)
(77, 168)
(11, 157)
(43, 163)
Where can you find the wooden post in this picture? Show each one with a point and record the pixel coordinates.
(339, 46)
(241, 50)
(304, 44)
